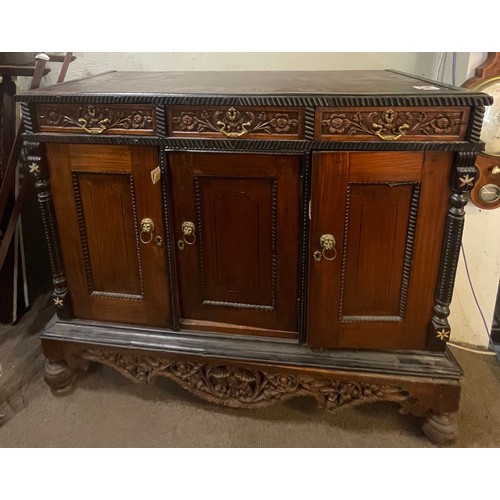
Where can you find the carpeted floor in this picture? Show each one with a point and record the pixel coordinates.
(106, 410)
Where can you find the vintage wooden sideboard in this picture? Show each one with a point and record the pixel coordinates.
(257, 236)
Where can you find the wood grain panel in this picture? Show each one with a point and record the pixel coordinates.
(434, 196)
(375, 250)
(373, 167)
(83, 159)
(378, 292)
(110, 232)
(328, 197)
(111, 276)
(239, 221)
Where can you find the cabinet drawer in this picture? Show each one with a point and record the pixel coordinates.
(97, 119)
(235, 122)
(391, 124)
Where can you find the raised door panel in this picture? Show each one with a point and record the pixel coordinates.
(375, 250)
(237, 220)
(238, 272)
(107, 219)
(101, 194)
(386, 212)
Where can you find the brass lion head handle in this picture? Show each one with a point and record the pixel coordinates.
(327, 244)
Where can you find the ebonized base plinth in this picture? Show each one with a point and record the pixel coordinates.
(237, 382)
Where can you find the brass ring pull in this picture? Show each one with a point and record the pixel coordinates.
(327, 244)
(188, 233)
(146, 241)
(401, 132)
(147, 227)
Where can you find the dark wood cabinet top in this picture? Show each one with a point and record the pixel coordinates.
(251, 83)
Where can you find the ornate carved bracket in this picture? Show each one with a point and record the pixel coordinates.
(239, 387)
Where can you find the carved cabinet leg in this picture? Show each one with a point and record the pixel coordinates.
(59, 376)
(440, 428)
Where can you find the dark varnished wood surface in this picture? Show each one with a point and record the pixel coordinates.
(356, 299)
(247, 348)
(100, 195)
(247, 376)
(248, 83)
(98, 119)
(376, 248)
(242, 272)
(242, 121)
(235, 292)
(408, 124)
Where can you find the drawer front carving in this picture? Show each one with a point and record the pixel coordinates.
(391, 124)
(97, 119)
(235, 122)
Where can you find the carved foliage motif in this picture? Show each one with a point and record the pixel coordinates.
(391, 124)
(236, 123)
(96, 119)
(238, 387)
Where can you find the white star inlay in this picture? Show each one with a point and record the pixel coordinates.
(466, 181)
(443, 334)
(34, 167)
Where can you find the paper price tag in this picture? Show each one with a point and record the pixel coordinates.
(155, 175)
(426, 87)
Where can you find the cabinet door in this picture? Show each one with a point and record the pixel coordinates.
(101, 194)
(374, 286)
(237, 227)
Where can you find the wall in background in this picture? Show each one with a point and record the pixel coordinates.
(91, 63)
(482, 229)
(481, 246)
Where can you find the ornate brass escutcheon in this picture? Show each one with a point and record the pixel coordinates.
(147, 227)
(232, 122)
(188, 233)
(388, 123)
